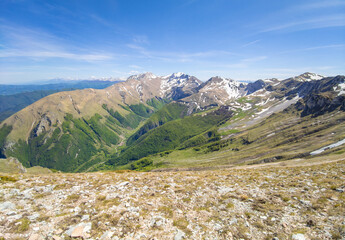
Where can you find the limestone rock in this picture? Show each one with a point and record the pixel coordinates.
(298, 236)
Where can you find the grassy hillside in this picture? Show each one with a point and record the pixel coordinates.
(170, 135)
(283, 136)
(13, 98)
(77, 144)
(167, 113)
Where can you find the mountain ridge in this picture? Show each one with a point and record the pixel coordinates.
(116, 118)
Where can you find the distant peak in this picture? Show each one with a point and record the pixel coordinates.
(142, 76)
(219, 78)
(177, 75)
(308, 76)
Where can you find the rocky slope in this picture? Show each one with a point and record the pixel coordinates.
(291, 200)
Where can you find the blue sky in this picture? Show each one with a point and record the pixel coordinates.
(240, 39)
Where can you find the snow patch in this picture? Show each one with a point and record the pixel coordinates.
(260, 93)
(142, 76)
(262, 111)
(306, 77)
(230, 86)
(174, 80)
(247, 107)
(342, 88)
(139, 89)
(337, 144)
(265, 102)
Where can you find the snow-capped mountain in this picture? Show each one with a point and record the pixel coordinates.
(179, 85)
(146, 86)
(308, 76)
(216, 91)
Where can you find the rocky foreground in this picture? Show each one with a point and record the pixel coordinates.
(277, 202)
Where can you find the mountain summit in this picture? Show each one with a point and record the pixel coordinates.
(308, 76)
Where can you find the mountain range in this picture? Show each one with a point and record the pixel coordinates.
(177, 121)
(16, 97)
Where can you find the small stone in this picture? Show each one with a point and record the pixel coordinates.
(77, 209)
(7, 205)
(33, 217)
(122, 184)
(233, 221)
(16, 217)
(11, 213)
(339, 190)
(157, 221)
(85, 218)
(305, 202)
(224, 190)
(311, 223)
(107, 235)
(78, 232)
(298, 236)
(35, 236)
(179, 235)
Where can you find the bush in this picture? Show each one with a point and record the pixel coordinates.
(141, 164)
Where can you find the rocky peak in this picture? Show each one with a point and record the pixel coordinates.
(180, 78)
(177, 75)
(254, 86)
(179, 85)
(219, 83)
(147, 75)
(308, 76)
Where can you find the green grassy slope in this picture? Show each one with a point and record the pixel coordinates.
(170, 135)
(283, 136)
(13, 98)
(167, 113)
(78, 143)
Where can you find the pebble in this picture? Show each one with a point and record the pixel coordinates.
(298, 236)
(179, 235)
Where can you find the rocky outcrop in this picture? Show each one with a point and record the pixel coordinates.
(11, 165)
(255, 86)
(318, 104)
(43, 126)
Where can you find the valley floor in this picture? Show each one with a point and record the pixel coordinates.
(286, 200)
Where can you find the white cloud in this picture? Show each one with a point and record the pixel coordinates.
(335, 46)
(54, 54)
(251, 43)
(319, 5)
(141, 39)
(136, 67)
(255, 59)
(177, 56)
(36, 44)
(315, 23)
